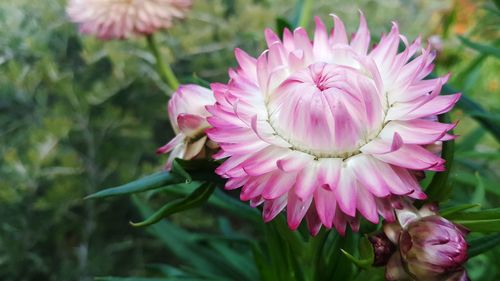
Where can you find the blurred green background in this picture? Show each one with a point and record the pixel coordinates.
(78, 114)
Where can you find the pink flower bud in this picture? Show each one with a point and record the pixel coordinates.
(383, 249)
(187, 113)
(432, 247)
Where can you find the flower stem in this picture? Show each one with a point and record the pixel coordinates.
(305, 13)
(163, 68)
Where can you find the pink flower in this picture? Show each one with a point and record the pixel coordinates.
(119, 19)
(430, 248)
(187, 113)
(327, 128)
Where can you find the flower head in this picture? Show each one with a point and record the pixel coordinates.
(187, 113)
(119, 19)
(329, 129)
(431, 248)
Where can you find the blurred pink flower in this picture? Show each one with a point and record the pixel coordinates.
(187, 113)
(120, 19)
(329, 129)
(430, 248)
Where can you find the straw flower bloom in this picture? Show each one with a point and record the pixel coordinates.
(120, 19)
(328, 128)
(187, 114)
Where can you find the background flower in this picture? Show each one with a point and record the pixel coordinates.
(330, 129)
(118, 19)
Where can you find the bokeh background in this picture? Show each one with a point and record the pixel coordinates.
(78, 115)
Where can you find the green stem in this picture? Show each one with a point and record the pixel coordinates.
(163, 68)
(440, 188)
(305, 12)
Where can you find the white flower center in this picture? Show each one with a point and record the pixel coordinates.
(327, 110)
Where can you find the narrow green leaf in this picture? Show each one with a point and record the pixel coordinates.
(460, 78)
(493, 117)
(459, 208)
(195, 79)
(478, 215)
(236, 259)
(484, 226)
(182, 245)
(201, 170)
(177, 168)
(449, 20)
(479, 192)
(109, 278)
(469, 141)
(364, 263)
(150, 182)
(366, 254)
(468, 105)
(483, 48)
(481, 155)
(470, 179)
(195, 199)
(480, 221)
(439, 189)
(152, 279)
(303, 13)
(281, 24)
(483, 244)
(345, 269)
(221, 200)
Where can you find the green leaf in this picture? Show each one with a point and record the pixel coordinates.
(459, 208)
(479, 192)
(366, 254)
(201, 170)
(195, 79)
(281, 24)
(109, 278)
(470, 179)
(482, 244)
(439, 189)
(484, 226)
(481, 155)
(365, 263)
(482, 48)
(150, 182)
(151, 279)
(177, 168)
(497, 3)
(481, 221)
(478, 215)
(181, 244)
(195, 199)
(231, 206)
(302, 13)
(344, 269)
(468, 105)
(469, 141)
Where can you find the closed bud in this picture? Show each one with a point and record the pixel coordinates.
(383, 248)
(432, 247)
(188, 116)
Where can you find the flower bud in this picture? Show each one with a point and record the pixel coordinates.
(188, 115)
(430, 248)
(383, 248)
